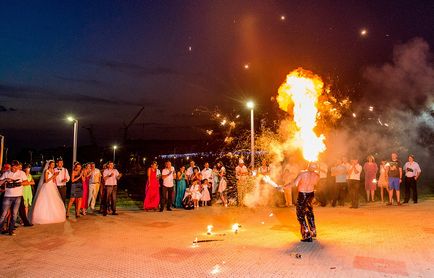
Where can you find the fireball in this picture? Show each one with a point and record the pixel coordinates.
(299, 96)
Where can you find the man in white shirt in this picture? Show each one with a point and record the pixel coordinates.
(111, 177)
(241, 174)
(61, 179)
(168, 175)
(13, 181)
(412, 172)
(353, 181)
(94, 184)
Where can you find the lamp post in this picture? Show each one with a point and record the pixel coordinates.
(114, 153)
(2, 146)
(75, 139)
(251, 106)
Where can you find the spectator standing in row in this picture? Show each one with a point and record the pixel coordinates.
(152, 190)
(412, 173)
(371, 169)
(205, 195)
(181, 186)
(86, 174)
(190, 171)
(216, 179)
(321, 191)
(15, 179)
(354, 182)
(383, 183)
(241, 174)
(207, 174)
(394, 176)
(111, 177)
(48, 206)
(61, 179)
(168, 175)
(222, 182)
(340, 188)
(94, 185)
(28, 190)
(76, 190)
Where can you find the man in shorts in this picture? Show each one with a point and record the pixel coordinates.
(394, 177)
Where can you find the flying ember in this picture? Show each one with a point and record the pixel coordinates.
(299, 95)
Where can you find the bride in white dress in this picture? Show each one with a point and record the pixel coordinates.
(48, 206)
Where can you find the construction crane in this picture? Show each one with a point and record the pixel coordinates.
(126, 127)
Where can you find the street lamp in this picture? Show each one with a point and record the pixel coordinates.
(114, 152)
(251, 106)
(2, 146)
(75, 140)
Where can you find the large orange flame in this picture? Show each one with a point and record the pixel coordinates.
(300, 94)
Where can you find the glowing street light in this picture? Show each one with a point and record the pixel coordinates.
(75, 138)
(251, 105)
(114, 152)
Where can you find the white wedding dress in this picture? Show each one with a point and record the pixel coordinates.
(48, 206)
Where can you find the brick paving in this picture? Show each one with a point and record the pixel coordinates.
(372, 241)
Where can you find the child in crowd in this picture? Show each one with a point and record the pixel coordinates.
(206, 197)
(195, 190)
(28, 189)
(187, 202)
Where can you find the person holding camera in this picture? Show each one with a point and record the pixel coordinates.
(13, 180)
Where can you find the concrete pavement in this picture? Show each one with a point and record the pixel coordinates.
(372, 241)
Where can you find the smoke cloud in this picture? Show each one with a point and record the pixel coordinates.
(401, 94)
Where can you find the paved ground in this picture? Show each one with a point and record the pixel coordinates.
(372, 241)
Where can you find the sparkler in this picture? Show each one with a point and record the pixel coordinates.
(371, 108)
(194, 243)
(209, 229)
(354, 115)
(215, 270)
(269, 181)
(235, 227)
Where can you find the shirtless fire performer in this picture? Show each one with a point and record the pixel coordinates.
(305, 182)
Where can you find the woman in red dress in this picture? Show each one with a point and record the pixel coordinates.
(86, 175)
(152, 191)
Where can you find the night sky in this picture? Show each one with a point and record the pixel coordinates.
(102, 60)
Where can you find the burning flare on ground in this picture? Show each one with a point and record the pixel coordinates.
(299, 95)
